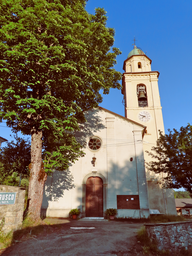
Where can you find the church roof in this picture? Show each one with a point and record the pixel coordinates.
(183, 202)
(2, 139)
(125, 118)
(135, 51)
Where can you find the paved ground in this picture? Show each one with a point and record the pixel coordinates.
(83, 238)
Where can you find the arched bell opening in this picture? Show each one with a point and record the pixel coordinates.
(139, 65)
(142, 95)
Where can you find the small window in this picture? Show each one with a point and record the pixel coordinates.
(187, 211)
(139, 64)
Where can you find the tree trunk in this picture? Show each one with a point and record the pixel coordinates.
(37, 177)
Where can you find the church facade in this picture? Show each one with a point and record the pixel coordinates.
(112, 172)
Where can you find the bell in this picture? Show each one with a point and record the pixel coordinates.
(142, 96)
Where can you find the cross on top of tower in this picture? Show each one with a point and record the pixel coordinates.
(134, 42)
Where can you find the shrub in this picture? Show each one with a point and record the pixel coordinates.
(74, 212)
(165, 218)
(111, 212)
(147, 244)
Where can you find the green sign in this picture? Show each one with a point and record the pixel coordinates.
(7, 197)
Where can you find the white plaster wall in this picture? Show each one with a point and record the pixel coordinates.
(119, 144)
(132, 64)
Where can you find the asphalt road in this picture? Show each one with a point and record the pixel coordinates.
(82, 238)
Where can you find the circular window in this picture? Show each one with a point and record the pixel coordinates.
(94, 143)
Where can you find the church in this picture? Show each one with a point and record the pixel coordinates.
(112, 172)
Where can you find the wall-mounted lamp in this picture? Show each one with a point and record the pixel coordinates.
(93, 161)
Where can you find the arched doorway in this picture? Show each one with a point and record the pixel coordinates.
(94, 197)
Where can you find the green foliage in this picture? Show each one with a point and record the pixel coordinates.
(154, 218)
(14, 180)
(148, 245)
(24, 182)
(74, 212)
(5, 238)
(165, 218)
(15, 156)
(2, 224)
(173, 156)
(182, 194)
(14, 162)
(28, 222)
(111, 212)
(55, 59)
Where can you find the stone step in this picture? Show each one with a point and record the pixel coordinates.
(93, 219)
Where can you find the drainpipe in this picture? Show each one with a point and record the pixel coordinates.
(137, 172)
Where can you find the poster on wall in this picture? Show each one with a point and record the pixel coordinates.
(7, 198)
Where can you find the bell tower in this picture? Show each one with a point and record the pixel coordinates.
(142, 104)
(141, 96)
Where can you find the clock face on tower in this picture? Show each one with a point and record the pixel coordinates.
(144, 116)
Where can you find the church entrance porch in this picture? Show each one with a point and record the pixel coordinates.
(94, 197)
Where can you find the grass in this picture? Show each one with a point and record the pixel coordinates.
(29, 229)
(28, 222)
(165, 218)
(156, 218)
(149, 248)
(32, 228)
(5, 239)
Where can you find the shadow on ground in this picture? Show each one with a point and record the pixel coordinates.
(70, 237)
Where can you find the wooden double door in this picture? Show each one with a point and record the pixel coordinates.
(94, 197)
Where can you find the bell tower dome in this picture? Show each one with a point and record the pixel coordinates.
(135, 64)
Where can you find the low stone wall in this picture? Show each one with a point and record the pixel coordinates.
(171, 236)
(13, 213)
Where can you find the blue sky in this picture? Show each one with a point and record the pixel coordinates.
(163, 30)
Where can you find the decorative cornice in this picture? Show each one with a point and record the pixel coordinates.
(149, 73)
(144, 108)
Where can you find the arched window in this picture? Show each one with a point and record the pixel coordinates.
(139, 64)
(142, 95)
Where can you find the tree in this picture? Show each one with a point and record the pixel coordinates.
(55, 59)
(182, 194)
(173, 156)
(14, 161)
(15, 156)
